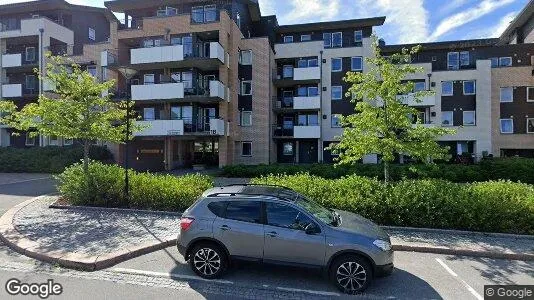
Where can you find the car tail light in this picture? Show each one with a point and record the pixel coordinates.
(185, 223)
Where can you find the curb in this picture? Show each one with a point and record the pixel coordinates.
(459, 232)
(14, 240)
(464, 252)
(116, 210)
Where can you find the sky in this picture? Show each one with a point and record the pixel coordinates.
(407, 21)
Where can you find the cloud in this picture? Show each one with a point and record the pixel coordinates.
(451, 7)
(483, 8)
(267, 7)
(494, 31)
(311, 10)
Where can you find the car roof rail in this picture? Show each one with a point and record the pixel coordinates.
(258, 184)
(234, 194)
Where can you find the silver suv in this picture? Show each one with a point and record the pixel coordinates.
(277, 225)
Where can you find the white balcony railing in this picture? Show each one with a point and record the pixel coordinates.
(424, 101)
(313, 73)
(161, 128)
(158, 91)
(217, 51)
(11, 90)
(307, 102)
(217, 89)
(11, 60)
(157, 54)
(216, 127)
(307, 132)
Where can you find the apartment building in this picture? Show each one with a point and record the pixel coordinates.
(30, 29)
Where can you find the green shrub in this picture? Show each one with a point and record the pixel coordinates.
(105, 188)
(46, 159)
(494, 206)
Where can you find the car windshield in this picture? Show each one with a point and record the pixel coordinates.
(320, 212)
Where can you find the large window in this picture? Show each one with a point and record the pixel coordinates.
(447, 118)
(308, 120)
(245, 57)
(327, 40)
(281, 215)
(447, 88)
(287, 71)
(469, 118)
(469, 87)
(333, 40)
(337, 92)
(507, 125)
(336, 120)
(337, 64)
(246, 87)
(149, 114)
(453, 61)
(204, 14)
(246, 118)
(246, 148)
(308, 63)
(507, 94)
(246, 211)
(419, 86)
(184, 113)
(356, 63)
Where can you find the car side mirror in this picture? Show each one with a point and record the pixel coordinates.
(311, 229)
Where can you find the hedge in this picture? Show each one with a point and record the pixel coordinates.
(105, 188)
(494, 206)
(513, 169)
(46, 159)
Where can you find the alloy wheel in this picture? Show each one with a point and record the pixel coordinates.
(207, 261)
(351, 276)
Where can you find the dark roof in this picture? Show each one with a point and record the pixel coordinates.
(460, 44)
(378, 21)
(41, 5)
(522, 18)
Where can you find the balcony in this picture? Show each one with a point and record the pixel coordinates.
(11, 60)
(161, 128)
(32, 27)
(313, 73)
(297, 132)
(158, 91)
(11, 90)
(424, 101)
(292, 77)
(297, 103)
(157, 54)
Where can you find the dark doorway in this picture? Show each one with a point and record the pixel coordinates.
(308, 152)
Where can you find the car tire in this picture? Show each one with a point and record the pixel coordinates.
(351, 274)
(208, 260)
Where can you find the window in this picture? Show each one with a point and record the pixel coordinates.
(285, 216)
(337, 40)
(308, 120)
(246, 149)
(92, 34)
(336, 121)
(419, 86)
(302, 63)
(313, 91)
(469, 87)
(246, 211)
(238, 20)
(356, 63)
(30, 140)
(287, 71)
(358, 36)
(53, 141)
(530, 125)
(530, 93)
(337, 64)
(68, 142)
(446, 118)
(197, 14)
(31, 83)
(246, 118)
(288, 149)
(217, 208)
(327, 40)
(505, 61)
(337, 92)
(210, 13)
(92, 70)
(507, 125)
(30, 54)
(507, 94)
(288, 39)
(469, 118)
(305, 37)
(461, 148)
(494, 62)
(149, 79)
(149, 114)
(245, 57)
(464, 58)
(313, 62)
(453, 61)
(246, 88)
(447, 88)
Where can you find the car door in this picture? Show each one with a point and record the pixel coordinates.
(286, 239)
(240, 229)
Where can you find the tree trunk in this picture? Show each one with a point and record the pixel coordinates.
(386, 172)
(86, 147)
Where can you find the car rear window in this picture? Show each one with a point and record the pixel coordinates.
(217, 208)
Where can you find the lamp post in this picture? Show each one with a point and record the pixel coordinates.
(128, 73)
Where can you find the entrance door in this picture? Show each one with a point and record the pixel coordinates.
(308, 152)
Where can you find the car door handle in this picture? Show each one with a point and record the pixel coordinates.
(225, 227)
(272, 234)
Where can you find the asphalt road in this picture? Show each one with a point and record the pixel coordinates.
(17, 188)
(164, 274)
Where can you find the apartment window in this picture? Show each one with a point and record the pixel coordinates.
(337, 92)
(337, 40)
(530, 94)
(53, 140)
(245, 57)
(494, 62)
(464, 58)
(469, 87)
(246, 87)
(308, 63)
(30, 83)
(197, 14)
(30, 54)
(149, 114)
(337, 64)
(288, 149)
(246, 148)
(447, 118)
(305, 37)
(288, 39)
(419, 86)
(313, 62)
(507, 94)
(447, 88)
(308, 120)
(356, 63)
(30, 140)
(336, 121)
(92, 70)
(507, 125)
(327, 40)
(313, 91)
(210, 13)
(530, 125)
(68, 142)
(505, 61)
(453, 61)
(92, 34)
(469, 118)
(246, 118)
(358, 36)
(149, 79)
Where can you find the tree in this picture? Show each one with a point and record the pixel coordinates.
(79, 108)
(382, 123)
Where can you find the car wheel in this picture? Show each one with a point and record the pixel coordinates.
(208, 260)
(351, 274)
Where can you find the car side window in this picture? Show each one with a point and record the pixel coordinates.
(217, 208)
(246, 211)
(285, 216)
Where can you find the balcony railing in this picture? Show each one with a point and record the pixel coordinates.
(183, 126)
(167, 52)
(310, 73)
(310, 131)
(297, 102)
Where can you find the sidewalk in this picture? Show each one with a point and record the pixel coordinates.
(93, 239)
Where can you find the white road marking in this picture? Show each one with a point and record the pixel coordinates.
(469, 288)
(322, 293)
(167, 275)
(28, 180)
